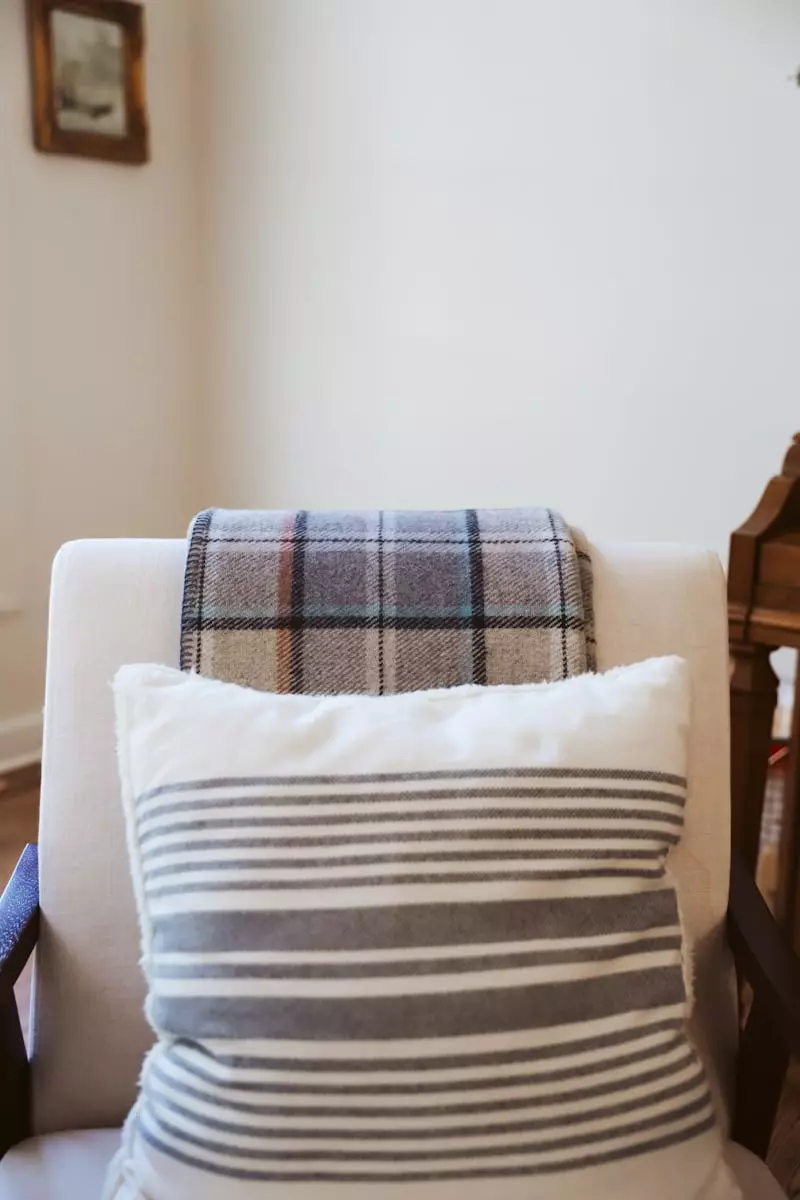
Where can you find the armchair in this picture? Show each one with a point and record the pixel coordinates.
(119, 601)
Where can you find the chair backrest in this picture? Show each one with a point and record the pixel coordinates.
(119, 601)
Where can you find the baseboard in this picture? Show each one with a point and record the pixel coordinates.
(20, 741)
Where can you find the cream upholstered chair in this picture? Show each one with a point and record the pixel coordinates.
(119, 601)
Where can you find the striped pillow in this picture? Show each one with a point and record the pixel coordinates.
(422, 945)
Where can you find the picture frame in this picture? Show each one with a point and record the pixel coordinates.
(87, 79)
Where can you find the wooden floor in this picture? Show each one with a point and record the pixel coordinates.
(18, 825)
(19, 822)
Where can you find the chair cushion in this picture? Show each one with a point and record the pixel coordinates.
(73, 1164)
(752, 1176)
(59, 1166)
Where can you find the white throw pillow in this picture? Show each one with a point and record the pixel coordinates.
(422, 945)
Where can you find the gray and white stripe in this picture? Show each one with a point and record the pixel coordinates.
(423, 975)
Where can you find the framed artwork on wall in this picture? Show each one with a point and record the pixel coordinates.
(87, 78)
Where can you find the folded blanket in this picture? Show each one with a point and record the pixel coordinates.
(380, 602)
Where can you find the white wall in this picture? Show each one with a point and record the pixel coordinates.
(526, 251)
(452, 251)
(98, 275)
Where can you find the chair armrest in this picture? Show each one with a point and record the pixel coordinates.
(19, 928)
(763, 956)
(19, 916)
(772, 1031)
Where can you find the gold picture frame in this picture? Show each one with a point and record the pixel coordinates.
(87, 79)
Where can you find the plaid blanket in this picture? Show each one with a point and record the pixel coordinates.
(379, 602)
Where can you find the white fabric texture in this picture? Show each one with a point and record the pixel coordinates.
(111, 601)
(754, 1180)
(653, 600)
(59, 1166)
(519, 957)
(118, 601)
(74, 1164)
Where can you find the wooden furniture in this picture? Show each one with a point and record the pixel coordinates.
(763, 614)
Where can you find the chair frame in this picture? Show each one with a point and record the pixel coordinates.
(770, 1033)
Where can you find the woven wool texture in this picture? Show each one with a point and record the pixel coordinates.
(384, 602)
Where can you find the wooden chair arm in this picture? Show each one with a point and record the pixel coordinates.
(19, 929)
(772, 1032)
(763, 955)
